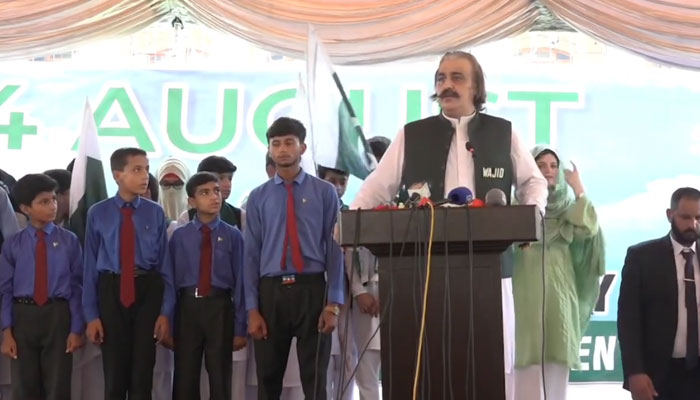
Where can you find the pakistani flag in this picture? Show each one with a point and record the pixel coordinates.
(336, 136)
(88, 179)
(300, 112)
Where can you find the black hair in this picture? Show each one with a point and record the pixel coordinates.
(378, 144)
(31, 185)
(322, 171)
(153, 187)
(268, 160)
(477, 77)
(8, 179)
(284, 126)
(685, 192)
(120, 157)
(197, 180)
(217, 165)
(62, 177)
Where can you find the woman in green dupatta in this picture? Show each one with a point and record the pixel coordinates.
(574, 260)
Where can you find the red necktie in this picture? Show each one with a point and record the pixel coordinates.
(204, 285)
(127, 241)
(292, 234)
(41, 278)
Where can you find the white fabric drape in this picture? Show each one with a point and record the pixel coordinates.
(358, 31)
(366, 31)
(31, 28)
(667, 31)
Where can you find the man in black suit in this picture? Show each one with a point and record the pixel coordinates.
(657, 317)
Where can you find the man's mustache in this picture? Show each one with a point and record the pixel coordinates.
(448, 93)
(445, 94)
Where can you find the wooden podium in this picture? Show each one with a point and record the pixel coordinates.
(399, 238)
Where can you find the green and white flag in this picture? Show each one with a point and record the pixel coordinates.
(88, 179)
(300, 111)
(335, 134)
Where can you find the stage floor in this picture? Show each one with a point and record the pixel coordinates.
(587, 391)
(602, 391)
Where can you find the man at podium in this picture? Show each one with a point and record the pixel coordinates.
(460, 147)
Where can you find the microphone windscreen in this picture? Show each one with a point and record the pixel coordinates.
(460, 195)
(477, 203)
(495, 197)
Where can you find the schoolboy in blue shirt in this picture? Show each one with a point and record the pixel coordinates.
(206, 257)
(41, 288)
(290, 255)
(124, 279)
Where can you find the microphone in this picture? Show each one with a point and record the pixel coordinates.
(477, 203)
(495, 198)
(418, 192)
(422, 189)
(470, 148)
(413, 201)
(458, 196)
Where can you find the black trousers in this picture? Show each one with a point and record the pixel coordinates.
(128, 350)
(292, 310)
(681, 383)
(203, 326)
(42, 370)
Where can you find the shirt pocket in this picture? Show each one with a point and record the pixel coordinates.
(223, 254)
(222, 246)
(148, 240)
(59, 260)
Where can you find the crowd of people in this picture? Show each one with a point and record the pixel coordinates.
(175, 293)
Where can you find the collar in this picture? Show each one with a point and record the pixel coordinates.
(47, 229)
(121, 202)
(461, 121)
(298, 179)
(212, 225)
(678, 248)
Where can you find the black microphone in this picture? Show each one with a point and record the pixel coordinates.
(414, 200)
(470, 148)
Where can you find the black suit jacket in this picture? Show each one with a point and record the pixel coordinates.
(647, 310)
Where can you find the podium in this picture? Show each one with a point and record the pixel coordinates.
(451, 367)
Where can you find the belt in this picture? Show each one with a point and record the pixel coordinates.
(30, 301)
(137, 272)
(213, 292)
(290, 279)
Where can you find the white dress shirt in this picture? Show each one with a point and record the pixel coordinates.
(382, 185)
(682, 327)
